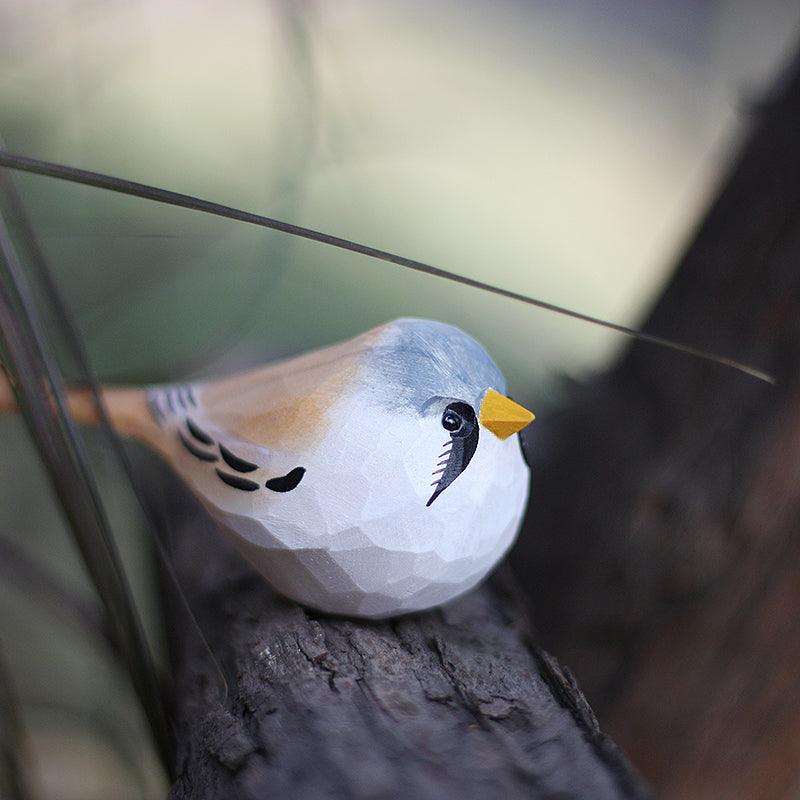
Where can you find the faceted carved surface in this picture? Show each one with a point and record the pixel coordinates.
(392, 496)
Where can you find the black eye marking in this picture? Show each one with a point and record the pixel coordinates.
(233, 461)
(286, 482)
(198, 433)
(452, 420)
(196, 451)
(236, 482)
(460, 421)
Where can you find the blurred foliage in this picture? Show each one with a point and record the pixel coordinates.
(559, 148)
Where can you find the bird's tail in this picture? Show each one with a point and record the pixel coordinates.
(126, 407)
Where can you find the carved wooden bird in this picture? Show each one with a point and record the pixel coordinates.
(372, 478)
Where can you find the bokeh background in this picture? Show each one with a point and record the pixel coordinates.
(561, 148)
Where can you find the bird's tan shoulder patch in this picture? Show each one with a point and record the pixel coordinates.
(286, 405)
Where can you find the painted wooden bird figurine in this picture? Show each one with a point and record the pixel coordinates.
(372, 478)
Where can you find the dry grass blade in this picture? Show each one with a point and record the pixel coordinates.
(122, 186)
(40, 394)
(156, 525)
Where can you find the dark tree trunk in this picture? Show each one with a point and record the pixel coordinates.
(662, 547)
(456, 703)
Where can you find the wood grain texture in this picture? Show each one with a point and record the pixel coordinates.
(663, 538)
(455, 703)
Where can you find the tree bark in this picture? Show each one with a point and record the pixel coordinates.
(662, 545)
(455, 703)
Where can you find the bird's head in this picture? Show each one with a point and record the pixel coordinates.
(440, 393)
(416, 484)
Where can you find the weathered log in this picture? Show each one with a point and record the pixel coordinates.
(455, 703)
(663, 538)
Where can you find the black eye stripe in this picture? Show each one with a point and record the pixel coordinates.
(459, 448)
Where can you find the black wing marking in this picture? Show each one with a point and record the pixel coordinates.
(183, 397)
(234, 462)
(230, 458)
(237, 482)
(198, 432)
(195, 450)
(286, 482)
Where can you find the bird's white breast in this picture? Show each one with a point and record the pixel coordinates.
(356, 536)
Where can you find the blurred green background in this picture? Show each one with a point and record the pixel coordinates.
(561, 149)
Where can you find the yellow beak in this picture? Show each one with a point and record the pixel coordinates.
(503, 417)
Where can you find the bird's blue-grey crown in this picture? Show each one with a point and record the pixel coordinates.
(418, 359)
